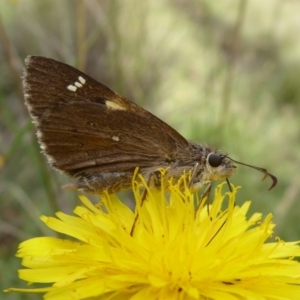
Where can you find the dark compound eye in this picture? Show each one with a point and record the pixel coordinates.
(215, 160)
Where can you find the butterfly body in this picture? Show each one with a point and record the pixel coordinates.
(95, 180)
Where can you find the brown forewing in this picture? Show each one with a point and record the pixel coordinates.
(81, 129)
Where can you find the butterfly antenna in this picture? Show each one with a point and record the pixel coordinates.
(267, 174)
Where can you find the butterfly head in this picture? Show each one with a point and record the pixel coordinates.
(218, 167)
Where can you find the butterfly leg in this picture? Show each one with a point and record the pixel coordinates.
(205, 194)
(196, 183)
(153, 180)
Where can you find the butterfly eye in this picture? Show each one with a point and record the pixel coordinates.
(214, 159)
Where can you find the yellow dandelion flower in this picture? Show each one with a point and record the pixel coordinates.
(176, 252)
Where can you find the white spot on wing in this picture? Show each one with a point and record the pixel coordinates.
(78, 84)
(72, 88)
(81, 79)
(115, 138)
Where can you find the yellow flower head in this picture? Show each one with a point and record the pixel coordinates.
(177, 251)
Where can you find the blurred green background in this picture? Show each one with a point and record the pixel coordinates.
(225, 73)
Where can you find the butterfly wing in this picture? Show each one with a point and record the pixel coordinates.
(82, 124)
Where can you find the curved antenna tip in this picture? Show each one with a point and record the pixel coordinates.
(274, 179)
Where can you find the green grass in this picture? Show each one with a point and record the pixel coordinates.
(219, 72)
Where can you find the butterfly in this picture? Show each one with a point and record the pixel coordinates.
(99, 137)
